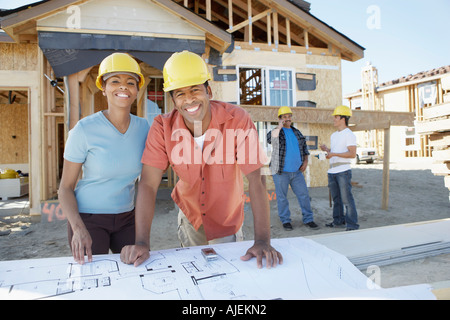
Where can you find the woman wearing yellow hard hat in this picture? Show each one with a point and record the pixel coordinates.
(107, 146)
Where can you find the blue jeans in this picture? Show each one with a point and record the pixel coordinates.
(298, 185)
(341, 192)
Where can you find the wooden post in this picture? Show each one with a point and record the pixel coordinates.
(142, 98)
(288, 32)
(74, 100)
(275, 29)
(208, 10)
(385, 189)
(306, 36)
(250, 25)
(230, 13)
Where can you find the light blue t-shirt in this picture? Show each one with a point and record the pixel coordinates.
(293, 159)
(111, 162)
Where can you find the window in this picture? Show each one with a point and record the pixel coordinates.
(251, 86)
(266, 86)
(411, 140)
(280, 88)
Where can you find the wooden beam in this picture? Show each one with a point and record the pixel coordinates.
(250, 20)
(371, 125)
(25, 27)
(276, 40)
(183, 13)
(281, 48)
(258, 23)
(27, 38)
(230, 14)
(377, 119)
(74, 100)
(386, 158)
(121, 33)
(349, 49)
(216, 43)
(427, 127)
(250, 25)
(208, 10)
(142, 97)
(226, 71)
(54, 114)
(440, 140)
(437, 111)
(288, 32)
(306, 37)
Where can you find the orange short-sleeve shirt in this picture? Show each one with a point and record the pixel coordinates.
(210, 190)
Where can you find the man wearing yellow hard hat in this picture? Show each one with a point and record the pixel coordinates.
(342, 150)
(194, 139)
(289, 160)
(107, 147)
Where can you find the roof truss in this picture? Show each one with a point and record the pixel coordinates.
(270, 23)
(274, 23)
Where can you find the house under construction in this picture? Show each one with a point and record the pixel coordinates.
(262, 54)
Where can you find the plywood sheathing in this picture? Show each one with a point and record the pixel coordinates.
(13, 133)
(18, 56)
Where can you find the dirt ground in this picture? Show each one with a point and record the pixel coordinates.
(415, 194)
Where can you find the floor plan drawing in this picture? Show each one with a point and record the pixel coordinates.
(309, 271)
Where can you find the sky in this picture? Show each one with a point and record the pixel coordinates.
(401, 37)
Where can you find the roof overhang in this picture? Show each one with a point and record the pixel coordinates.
(21, 25)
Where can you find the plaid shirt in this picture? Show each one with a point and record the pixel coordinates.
(279, 149)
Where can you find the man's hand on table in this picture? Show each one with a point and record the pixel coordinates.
(135, 254)
(260, 250)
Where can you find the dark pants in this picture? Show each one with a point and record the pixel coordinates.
(108, 231)
(340, 185)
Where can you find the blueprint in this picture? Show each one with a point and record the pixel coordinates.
(310, 271)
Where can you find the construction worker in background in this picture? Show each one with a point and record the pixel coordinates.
(195, 140)
(108, 146)
(289, 160)
(342, 150)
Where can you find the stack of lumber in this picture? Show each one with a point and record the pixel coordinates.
(436, 123)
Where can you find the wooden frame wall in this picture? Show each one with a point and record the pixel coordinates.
(29, 81)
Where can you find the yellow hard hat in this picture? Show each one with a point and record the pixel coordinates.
(8, 174)
(184, 69)
(342, 111)
(119, 62)
(284, 110)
